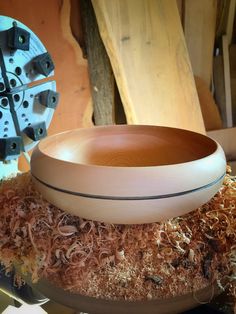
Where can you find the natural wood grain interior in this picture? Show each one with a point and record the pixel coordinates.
(129, 146)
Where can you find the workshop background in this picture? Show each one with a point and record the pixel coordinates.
(92, 75)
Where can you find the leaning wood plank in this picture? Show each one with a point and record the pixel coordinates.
(76, 23)
(228, 100)
(232, 60)
(210, 111)
(219, 86)
(180, 9)
(230, 20)
(226, 138)
(146, 46)
(199, 30)
(225, 19)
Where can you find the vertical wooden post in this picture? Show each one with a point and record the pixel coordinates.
(100, 71)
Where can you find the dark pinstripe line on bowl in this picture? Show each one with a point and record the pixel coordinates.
(130, 198)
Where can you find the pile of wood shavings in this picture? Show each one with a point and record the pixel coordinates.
(128, 262)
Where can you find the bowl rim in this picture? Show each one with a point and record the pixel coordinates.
(94, 166)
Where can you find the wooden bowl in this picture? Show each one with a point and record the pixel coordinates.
(128, 174)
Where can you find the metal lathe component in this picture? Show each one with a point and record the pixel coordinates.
(28, 96)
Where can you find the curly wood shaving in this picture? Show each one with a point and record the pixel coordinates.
(117, 261)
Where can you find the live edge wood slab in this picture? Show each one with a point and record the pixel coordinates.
(146, 47)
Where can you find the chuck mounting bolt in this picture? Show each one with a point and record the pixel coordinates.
(43, 64)
(18, 38)
(10, 147)
(49, 98)
(36, 131)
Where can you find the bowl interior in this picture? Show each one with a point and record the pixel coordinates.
(128, 146)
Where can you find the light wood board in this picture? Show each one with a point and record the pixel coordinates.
(219, 87)
(199, 29)
(230, 20)
(228, 99)
(146, 46)
(232, 61)
(180, 6)
(210, 111)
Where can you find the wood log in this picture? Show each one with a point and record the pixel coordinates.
(101, 74)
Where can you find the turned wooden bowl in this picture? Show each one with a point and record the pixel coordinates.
(128, 174)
